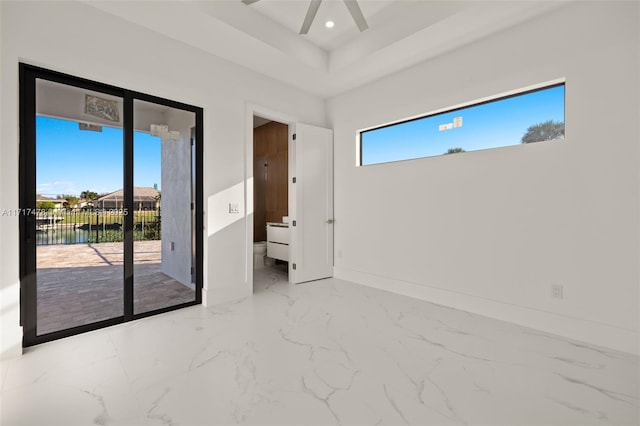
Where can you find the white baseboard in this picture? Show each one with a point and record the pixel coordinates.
(574, 328)
(230, 293)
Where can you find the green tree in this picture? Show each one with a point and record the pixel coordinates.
(45, 205)
(89, 195)
(549, 130)
(72, 200)
(454, 151)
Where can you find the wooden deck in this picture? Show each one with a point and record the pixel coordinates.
(83, 283)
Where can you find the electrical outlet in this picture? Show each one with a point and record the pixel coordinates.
(234, 208)
(339, 254)
(557, 291)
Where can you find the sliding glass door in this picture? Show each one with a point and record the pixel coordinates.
(110, 184)
(78, 258)
(162, 197)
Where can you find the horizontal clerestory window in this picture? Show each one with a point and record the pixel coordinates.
(524, 117)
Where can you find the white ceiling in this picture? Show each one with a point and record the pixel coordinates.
(291, 13)
(259, 121)
(264, 36)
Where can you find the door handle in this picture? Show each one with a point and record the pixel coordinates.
(330, 221)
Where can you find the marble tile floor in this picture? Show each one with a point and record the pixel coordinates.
(323, 353)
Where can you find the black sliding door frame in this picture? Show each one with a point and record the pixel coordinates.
(27, 200)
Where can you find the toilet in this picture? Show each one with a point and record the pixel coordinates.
(259, 253)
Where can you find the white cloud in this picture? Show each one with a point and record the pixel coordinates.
(51, 189)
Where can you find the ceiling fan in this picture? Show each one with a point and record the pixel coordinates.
(352, 6)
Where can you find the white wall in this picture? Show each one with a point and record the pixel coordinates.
(80, 40)
(176, 197)
(491, 231)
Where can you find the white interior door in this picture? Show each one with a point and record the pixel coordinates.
(310, 203)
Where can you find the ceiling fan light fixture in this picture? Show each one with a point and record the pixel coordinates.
(352, 6)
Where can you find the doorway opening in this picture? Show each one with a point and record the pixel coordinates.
(270, 198)
(110, 187)
(307, 236)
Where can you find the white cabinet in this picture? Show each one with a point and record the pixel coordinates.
(278, 241)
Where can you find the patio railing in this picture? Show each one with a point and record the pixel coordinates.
(82, 226)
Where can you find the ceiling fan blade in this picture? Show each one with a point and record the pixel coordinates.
(248, 2)
(356, 14)
(311, 14)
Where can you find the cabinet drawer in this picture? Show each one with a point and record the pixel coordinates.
(278, 234)
(278, 251)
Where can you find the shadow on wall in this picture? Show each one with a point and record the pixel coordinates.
(227, 206)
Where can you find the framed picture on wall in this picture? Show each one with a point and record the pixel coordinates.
(102, 108)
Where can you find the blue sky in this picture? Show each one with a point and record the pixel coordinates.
(69, 161)
(490, 125)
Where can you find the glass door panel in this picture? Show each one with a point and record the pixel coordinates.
(110, 183)
(79, 213)
(162, 207)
